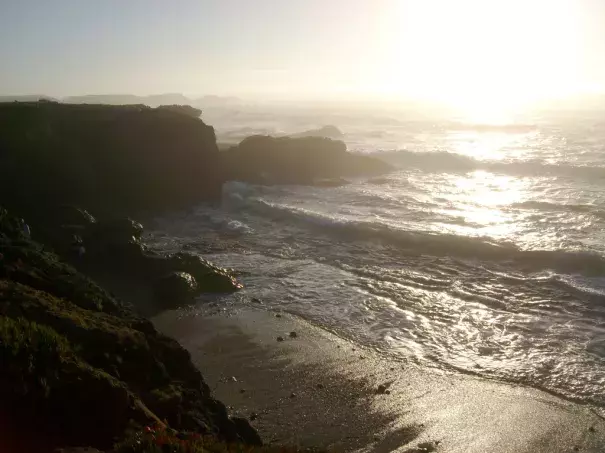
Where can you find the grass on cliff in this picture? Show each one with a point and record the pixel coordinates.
(81, 365)
(31, 351)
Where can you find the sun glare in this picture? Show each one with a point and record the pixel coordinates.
(486, 57)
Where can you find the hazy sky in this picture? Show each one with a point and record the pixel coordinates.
(442, 49)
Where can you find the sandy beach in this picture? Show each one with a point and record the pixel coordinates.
(317, 389)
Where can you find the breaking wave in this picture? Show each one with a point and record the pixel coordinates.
(444, 161)
(442, 245)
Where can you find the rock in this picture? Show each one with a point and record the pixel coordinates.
(116, 244)
(280, 338)
(119, 158)
(242, 390)
(72, 216)
(293, 395)
(59, 226)
(246, 432)
(182, 109)
(176, 288)
(257, 300)
(320, 386)
(324, 132)
(382, 389)
(293, 335)
(284, 160)
(277, 315)
(331, 182)
(210, 278)
(113, 236)
(118, 230)
(427, 447)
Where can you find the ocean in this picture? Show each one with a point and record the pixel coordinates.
(483, 252)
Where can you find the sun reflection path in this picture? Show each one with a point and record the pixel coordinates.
(481, 199)
(490, 145)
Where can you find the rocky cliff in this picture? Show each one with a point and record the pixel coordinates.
(79, 367)
(107, 158)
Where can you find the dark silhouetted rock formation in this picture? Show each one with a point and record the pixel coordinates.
(107, 158)
(286, 160)
(324, 132)
(184, 109)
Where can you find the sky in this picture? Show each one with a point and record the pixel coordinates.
(473, 51)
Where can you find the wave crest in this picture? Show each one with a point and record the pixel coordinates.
(441, 245)
(444, 161)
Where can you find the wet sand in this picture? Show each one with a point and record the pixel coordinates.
(319, 390)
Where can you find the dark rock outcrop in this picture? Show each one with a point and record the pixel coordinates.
(323, 132)
(184, 109)
(112, 159)
(115, 230)
(79, 367)
(114, 247)
(286, 160)
(176, 288)
(117, 245)
(210, 278)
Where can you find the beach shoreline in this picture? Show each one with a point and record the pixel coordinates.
(315, 389)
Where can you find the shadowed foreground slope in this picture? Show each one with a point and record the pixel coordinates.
(80, 368)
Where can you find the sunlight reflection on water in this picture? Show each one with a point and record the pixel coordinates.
(481, 251)
(493, 146)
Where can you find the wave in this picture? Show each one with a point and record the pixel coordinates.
(558, 207)
(435, 160)
(408, 243)
(446, 162)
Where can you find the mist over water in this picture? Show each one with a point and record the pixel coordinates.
(483, 252)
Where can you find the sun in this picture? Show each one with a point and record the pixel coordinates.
(485, 56)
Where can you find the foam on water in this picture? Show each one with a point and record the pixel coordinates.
(484, 252)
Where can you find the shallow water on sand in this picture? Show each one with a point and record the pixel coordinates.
(483, 251)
